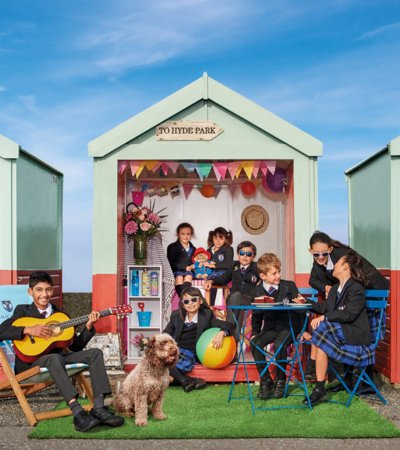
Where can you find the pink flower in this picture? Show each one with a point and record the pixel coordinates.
(142, 217)
(154, 218)
(131, 227)
(145, 226)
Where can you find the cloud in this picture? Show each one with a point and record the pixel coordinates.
(380, 30)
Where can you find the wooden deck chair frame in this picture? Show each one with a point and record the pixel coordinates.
(375, 300)
(219, 311)
(20, 386)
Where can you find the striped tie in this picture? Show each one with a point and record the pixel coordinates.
(271, 290)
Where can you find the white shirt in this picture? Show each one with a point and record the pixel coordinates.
(267, 286)
(194, 320)
(48, 311)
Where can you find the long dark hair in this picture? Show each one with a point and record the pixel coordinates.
(220, 231)
(319, 236)
(354, 261)
(193, 292)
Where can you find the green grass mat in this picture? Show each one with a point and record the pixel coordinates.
(207, 414)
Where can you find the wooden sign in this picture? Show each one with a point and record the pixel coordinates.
(184, 130)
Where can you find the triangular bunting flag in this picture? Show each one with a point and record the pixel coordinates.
(173, 166)
(256, 168)
(263, 168)
(164, 168)
(238, 171)
(205, 169)
(248, 166)
(217, 190)
(122, 165)
(187, 189)
(233, 167)
(190, 167)
(134, 167)
(150, 165)
(140, 168)
(232, 189)
(156, 166)
(271, 165)
(220, 169)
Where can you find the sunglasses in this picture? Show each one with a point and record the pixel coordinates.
(186, 301)
(320, 255)
(242, 253)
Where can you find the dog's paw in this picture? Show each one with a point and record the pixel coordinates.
(160, 416)
(141, 422)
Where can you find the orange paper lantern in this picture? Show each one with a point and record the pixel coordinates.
(207, 191)
(248, 189)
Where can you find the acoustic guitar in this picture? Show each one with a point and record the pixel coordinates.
(30, 348)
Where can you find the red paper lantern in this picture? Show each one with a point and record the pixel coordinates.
(207, 191)
(248, 189)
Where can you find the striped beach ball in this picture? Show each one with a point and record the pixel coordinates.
(211, 357)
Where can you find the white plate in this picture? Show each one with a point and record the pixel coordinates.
(297, 305)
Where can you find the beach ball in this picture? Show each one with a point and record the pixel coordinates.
(248, 189)
(207, 190)
(211, 357)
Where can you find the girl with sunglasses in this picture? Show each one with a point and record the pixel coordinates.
(326, 253)
(186, 325)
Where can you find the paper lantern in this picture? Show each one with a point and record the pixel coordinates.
(248, 189)
(211, 357)
(207, 191)
(275, 182)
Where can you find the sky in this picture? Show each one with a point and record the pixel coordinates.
(72, 70)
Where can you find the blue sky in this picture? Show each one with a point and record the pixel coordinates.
(71, 70)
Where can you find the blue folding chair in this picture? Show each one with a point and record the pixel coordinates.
(364, 355)
(309, 294)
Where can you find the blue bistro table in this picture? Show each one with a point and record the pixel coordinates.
(291, 308)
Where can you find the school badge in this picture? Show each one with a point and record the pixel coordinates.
(253, 279)
(7, 305)
(220, 258)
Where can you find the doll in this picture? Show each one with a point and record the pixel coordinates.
(201, 263)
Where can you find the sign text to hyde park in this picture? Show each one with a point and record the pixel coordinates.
(187, 131)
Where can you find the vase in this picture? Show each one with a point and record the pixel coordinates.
(140, 249)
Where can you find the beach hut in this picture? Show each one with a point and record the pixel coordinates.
(31, 217)
(210, 157)
(374, 221)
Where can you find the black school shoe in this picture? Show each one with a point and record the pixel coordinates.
(279, 389)
(266, 389)
(188, 384)
(83, 421)
(106, 417)
(317, 396)
(199, 383)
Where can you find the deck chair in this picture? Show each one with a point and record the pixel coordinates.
(364, 355)
(34, 380)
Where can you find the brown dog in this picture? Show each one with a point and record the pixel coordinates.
(143, 389)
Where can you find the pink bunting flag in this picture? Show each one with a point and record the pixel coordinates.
(164, 168)
(256, 168)
(271, 165)
(233, 168)
(134, 167)
(232, 189)
(122, 165)
(220, 169)
(156, 166)
(187, 189)
(173, 166)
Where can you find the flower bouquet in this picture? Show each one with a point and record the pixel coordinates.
(140, 342)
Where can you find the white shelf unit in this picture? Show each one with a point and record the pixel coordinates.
(152, 303)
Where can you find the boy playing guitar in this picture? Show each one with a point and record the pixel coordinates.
(41, 291)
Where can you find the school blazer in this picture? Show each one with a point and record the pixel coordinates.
(178, 257)
(276, 320)
(223, 258)
(205, 321)
(348, 309)
(7, 331)
(319, 277)
(245, 283)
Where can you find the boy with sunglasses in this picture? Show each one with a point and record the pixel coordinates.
(244, 278)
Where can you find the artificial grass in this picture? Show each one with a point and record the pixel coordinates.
(207, 414)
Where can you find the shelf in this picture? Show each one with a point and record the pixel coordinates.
(139, 297)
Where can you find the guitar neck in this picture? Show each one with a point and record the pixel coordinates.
(80, 320)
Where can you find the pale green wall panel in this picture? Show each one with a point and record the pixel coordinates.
(370, 210)
(39, 215)
(7, 214)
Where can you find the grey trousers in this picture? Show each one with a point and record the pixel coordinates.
(93, 357)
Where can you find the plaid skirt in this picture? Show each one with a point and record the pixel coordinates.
(329, 337)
